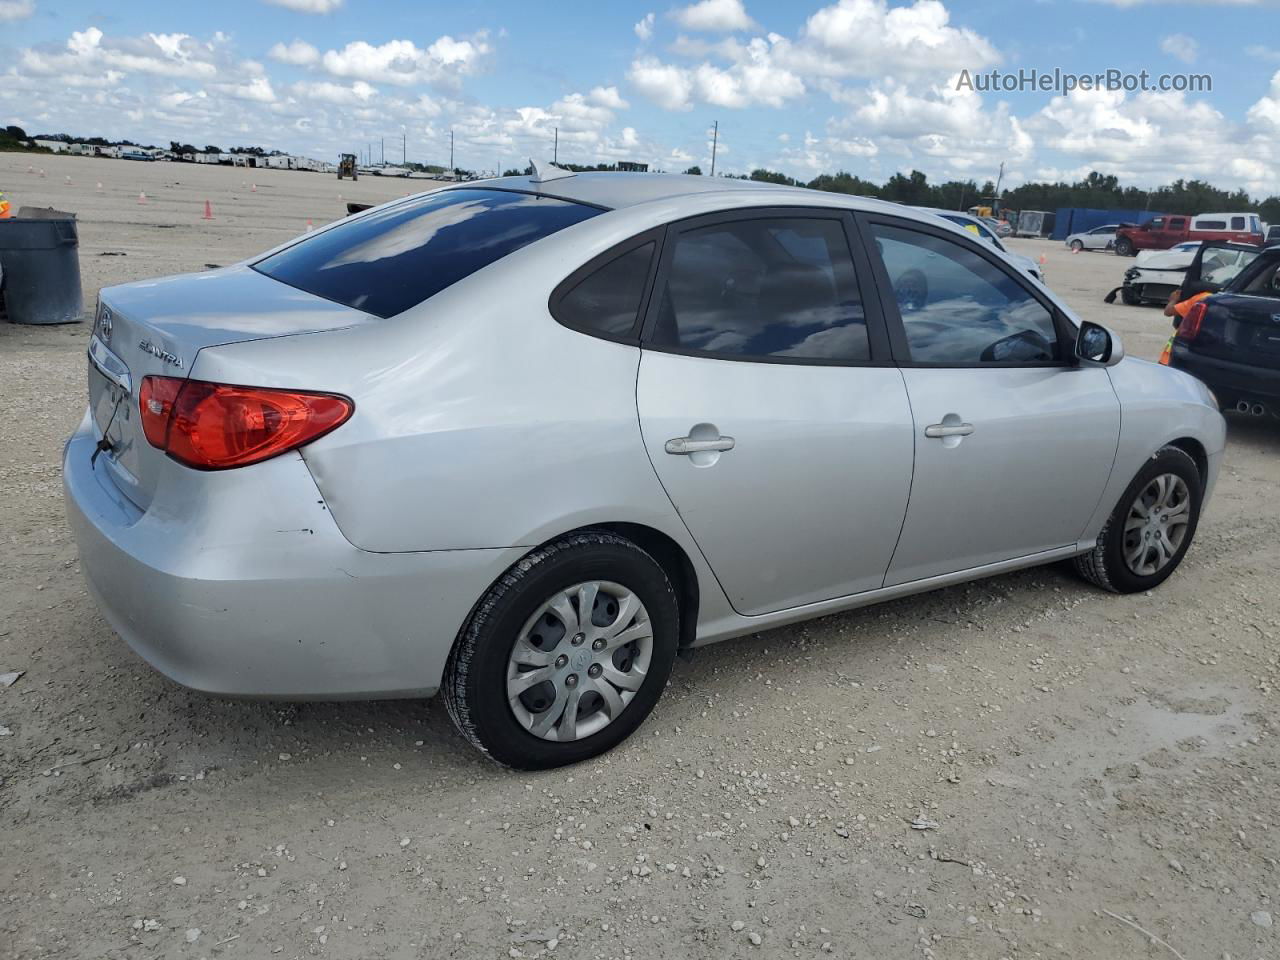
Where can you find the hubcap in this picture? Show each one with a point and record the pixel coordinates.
(1157, 524)
(579, 661)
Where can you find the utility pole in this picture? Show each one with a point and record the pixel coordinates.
(404, 149)
(999, 177)
(383, 149)
(555, 154)
(715, 138)
(451, 166)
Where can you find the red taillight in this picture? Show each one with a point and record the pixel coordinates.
(155, 401)
(214, 426)
(1190, 325)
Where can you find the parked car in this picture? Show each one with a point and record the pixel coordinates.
(979, 227)
(1099, 238)
(1002, 228)
(519, 442)
(1161, 233)
(1231, 340)
(1273, 235)
(1157, 273)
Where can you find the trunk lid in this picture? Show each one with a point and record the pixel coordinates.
(156, 327)
(1242, 328)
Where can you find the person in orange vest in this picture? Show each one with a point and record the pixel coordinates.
(4, 207)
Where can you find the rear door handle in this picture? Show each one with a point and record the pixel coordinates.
(683, 446)
(939, 430)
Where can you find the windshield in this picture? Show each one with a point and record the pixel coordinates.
(392, 259)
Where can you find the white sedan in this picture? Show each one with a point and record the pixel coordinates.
(1099, 238)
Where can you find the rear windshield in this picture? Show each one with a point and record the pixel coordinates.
(387, 261)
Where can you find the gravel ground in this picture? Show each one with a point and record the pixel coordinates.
(1092, 772)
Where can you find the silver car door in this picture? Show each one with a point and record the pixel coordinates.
(769, 408)
(1014, 441)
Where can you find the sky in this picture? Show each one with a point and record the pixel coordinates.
(804, 87)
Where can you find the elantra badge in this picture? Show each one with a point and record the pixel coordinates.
(146, 346)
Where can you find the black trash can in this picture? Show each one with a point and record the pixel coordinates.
(40, 260)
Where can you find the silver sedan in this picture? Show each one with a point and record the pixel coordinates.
(519, 441)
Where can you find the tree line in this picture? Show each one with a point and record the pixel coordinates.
(1097, 190)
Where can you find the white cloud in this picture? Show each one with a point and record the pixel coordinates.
(16, 9)
(257, 89)
(299, 53)
(1181, 46)
(670, 87)
(403, 63)
(1207, 3)
(90, 53)
(337, 93)
(753, 77)
(1263, 52)
(871, 39)
(720, 16)
(607, 97)
(309, 6)
(644, 27)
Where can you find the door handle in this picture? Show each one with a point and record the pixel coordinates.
(683, 446)
(939, 430)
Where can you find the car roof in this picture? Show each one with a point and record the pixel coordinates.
(617, 190)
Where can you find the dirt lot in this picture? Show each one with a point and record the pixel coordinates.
(1085, 757)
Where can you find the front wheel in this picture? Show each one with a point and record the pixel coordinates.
(566, 654)
(1124, 247)
(1076, 246)
(1151, 529)
(1130, 296)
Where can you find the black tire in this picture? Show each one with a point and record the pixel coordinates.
(1077, 245)
(475, 676)
(1124, 247)
(1104, 565)
(1130, 296)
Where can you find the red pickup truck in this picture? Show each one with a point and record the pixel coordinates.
(1161, 233)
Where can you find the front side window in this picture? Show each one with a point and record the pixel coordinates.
(779, 288)
(958, 308)
(607, 301)
(392, 259)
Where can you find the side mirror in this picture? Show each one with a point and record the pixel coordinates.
(1096, 344)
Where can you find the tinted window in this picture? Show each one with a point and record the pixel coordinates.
(608, 301)
(1237, 223)
(1212, 225)
(1178, 223)
(388, 261)
(958, 307)
(764, 288)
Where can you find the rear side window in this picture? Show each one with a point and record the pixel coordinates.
(388, 261)
(1237, 223)
(771, 288)
(1212, 225)
(607, 301)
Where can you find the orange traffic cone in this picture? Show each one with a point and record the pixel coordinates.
(4, 208)
(309, 224)
(254, 188)
(208, 211)
(142, 197)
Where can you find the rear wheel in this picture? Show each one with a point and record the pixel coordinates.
(1151, 529)
(566, 654)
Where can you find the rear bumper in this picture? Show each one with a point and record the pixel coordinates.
(239, 583)
(1229, 380)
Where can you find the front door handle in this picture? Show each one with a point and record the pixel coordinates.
(939, 430)
(683, 446)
